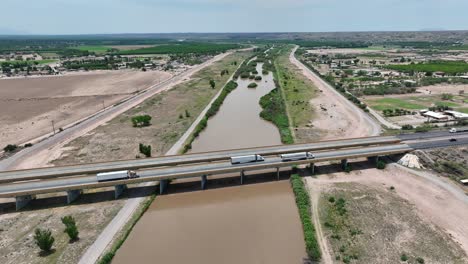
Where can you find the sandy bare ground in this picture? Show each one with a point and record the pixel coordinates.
(314, 193)
(437, 200)
(336, 117)
(30, 105)
(444, 88)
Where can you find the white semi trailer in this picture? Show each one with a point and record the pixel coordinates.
(246, 159)
(116, 175)
(297, 156)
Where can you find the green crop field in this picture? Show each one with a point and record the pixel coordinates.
(181, 48)
(29, 62)
(95, 48)
(390, 103)
(450, 67)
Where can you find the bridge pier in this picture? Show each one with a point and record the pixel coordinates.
(312, 168)
(72, 195)
(242, 174)
(344, 163)
(163, 186)
(23, 200)
(374, 159)
(119, 189)
(277, 174)
(203, 182)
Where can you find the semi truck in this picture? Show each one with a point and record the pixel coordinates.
(297, 156)
(246, 159)
(116, 175)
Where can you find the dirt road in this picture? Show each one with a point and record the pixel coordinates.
(336, 116)
(49, 149)
(314, 193)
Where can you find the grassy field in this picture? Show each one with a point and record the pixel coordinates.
(415, 103)
(367, 225)
(450, 67)
(297, 91)
(94, 48)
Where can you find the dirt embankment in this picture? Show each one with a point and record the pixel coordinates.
(30, 105)
(389, 213)
(335, 117)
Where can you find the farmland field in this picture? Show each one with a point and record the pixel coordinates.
(416, 102)
(450, 67)
(181, 48)
(94, 48)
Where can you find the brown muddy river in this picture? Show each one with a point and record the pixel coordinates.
(256, 223)
(238, 124)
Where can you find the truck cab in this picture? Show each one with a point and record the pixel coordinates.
(453, 130)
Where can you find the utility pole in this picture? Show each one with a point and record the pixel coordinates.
(53, 126)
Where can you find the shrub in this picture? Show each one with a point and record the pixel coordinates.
(420, 260)
(331, 199)
(348, 168)
(303, 205)
(212, 84)
(407, 127)
(423, 128)
(381, 164)
(27, 145)
(252, 85)
(70, 227)
(258, 78)
(44, 239)
(145, 150)
(403, 257)
(10, 148)
(187, 114)
(141, 120)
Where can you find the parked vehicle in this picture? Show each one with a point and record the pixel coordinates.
(452, 139)
(246, 159)
(116, 175)
(297, 156)
(453, 130)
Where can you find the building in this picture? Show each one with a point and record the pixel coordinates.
(434, 115)
(456, 115)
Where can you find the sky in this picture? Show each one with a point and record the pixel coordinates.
(173, 16)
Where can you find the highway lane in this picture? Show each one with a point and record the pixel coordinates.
(51, 172)
(439, 143)
(71, 183)
(430, 134)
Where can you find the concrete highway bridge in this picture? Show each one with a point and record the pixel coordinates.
(24, 185)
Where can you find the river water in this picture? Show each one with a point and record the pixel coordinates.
(256, 223)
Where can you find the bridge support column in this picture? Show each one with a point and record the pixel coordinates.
(344, 164)
(163, 186)
(203, 182)
(312, 168)
(242, 174)
(119, 189)
(374, 159)
(23, 200)
(277, 174)
(72, 195)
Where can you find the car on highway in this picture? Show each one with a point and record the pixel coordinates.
(116, 175)
(246, 159)
(452, 139)
(453, 130)
(297, 156)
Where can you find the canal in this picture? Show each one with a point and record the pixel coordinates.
(253, 223)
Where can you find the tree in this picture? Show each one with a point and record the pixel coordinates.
(381, 165)
(70, 227)
(141, 120)
(145, 150)
(212, 84)
(44, 239)
(10, 148)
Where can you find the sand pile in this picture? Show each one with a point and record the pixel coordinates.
(410, 161)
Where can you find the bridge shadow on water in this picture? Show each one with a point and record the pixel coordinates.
(179, 186)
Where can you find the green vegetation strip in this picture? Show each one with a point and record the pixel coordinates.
(450, 67)
(107, 258)
(274, 111)
(303, 204)
(186, 47)
(214, 108)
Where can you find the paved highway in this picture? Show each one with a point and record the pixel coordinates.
(432, 134)
(197, 170)
(52, 172)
